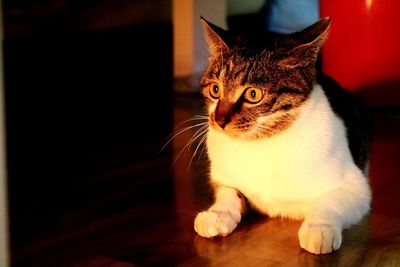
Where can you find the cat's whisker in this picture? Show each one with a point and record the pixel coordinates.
(264, 129)
(202, 124)
(195, 118)
(268, 129)
(179, 154)
(202, 148)
(204, 136)
(196, 135)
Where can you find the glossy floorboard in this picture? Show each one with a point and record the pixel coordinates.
(155, 225)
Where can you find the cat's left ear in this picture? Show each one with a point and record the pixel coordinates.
(311, 40)
(216, 38)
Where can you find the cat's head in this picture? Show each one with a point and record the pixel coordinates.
(254, 86)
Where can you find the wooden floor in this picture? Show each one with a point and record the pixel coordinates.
(145, 218)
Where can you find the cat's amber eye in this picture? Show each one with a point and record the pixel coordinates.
(253, 95)
(215, 90)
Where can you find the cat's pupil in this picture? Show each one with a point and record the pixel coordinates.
(216, 89)
(253, 93)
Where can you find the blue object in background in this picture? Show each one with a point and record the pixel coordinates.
(288, 16)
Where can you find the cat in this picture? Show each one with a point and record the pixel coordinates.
(281, 141)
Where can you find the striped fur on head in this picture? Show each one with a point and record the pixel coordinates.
(279, 68)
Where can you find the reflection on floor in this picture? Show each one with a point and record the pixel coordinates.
(154, 202)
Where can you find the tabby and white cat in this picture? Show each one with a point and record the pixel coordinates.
(280, 141)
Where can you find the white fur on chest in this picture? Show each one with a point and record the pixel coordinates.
(281, 175)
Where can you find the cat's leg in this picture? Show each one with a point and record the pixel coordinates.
(223, 216)
(321, 231)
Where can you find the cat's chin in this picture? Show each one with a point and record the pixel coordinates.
(248, 134)
(262, 130)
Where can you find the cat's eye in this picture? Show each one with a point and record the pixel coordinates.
(215, 90)
(253, 95)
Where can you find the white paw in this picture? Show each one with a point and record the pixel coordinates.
(320, 238)
(213, 223)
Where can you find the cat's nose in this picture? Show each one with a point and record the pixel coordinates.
(223, 113)
(222, 122)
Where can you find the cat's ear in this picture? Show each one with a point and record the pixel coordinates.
(216, 38)
(311, 40)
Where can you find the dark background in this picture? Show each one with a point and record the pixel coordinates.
(86, 93)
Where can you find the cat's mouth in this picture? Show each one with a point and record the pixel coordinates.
(262, 127)
(228, 128)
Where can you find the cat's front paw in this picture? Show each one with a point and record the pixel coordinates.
(320, 238)
(213, 223)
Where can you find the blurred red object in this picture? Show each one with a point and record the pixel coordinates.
(363, 48)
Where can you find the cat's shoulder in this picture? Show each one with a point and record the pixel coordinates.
(343, 102)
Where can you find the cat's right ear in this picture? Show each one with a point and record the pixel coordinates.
(311, 40)
(215, 38)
